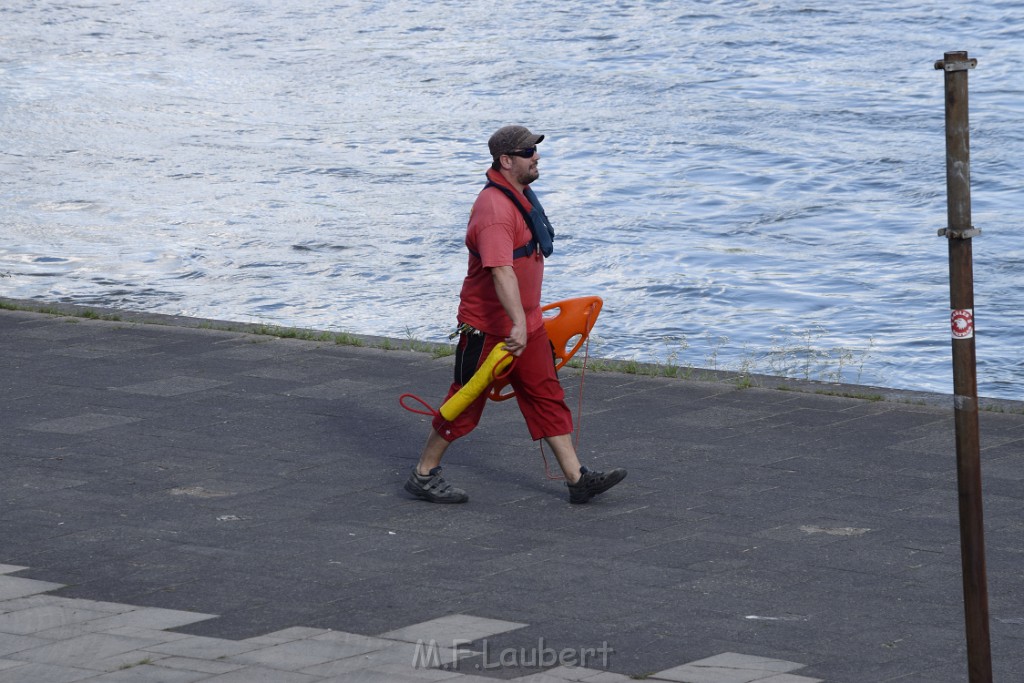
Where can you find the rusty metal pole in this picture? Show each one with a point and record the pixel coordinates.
(965, 381)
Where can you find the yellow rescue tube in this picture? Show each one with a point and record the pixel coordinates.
(497, 360)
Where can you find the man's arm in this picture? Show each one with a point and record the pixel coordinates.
(506, 284)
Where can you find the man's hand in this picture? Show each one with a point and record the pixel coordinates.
(515, 342)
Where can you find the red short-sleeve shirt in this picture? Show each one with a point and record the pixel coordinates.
(496, 229)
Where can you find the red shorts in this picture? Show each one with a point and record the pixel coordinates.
(538, 391)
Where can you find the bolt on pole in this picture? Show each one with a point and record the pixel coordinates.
(959, 233)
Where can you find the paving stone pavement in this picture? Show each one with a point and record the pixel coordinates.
(51, 639)
(187, 504)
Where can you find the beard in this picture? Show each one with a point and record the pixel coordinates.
(529, 175)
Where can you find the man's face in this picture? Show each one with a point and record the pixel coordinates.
(524, 169)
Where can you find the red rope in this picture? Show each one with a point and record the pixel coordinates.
(429, 411)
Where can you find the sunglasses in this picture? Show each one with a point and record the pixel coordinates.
(526, 153)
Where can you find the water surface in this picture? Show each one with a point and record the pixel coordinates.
(748, 185)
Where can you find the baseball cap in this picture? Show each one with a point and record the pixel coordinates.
(510, 138)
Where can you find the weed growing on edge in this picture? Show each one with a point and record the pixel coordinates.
(743, 376)
(49, 310)
(417, 345)
(442, 351)
(345, 339)
(671, 366)
(132, 665)
(798, 354)
(714, 346)
(851, 394)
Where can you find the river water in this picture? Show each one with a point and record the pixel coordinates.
(748, 185)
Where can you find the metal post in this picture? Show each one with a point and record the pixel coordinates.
(965, 382)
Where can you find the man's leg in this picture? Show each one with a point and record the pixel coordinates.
(542, 402)
(565, 454)
(425, 480)
(432, 453)
(583, 484)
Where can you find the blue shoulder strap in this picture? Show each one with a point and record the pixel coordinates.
(536, 220)
(540, 226)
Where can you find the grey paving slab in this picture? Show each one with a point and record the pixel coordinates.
(27, 672)
(371, 676)
(173, 386)
(287, 635)
(453, 627)
(582, 673)
(210, 667)
(156, 636)
(296, 655)
(351, 644)
(84, 423)
(87, 651)
(540, 678)
(689, 673)
(48, 600)
(201, 647)
(11, 645)
(123, 661)
(17, 587)
(150, 618)
(150, 674)
(398, 672)
(407, 658)
(253, 674)
(36, 619)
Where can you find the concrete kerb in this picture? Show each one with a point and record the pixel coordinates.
(596, 364)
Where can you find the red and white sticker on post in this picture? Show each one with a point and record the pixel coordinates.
(962, 323)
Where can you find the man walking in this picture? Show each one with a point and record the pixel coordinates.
(508, 238)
